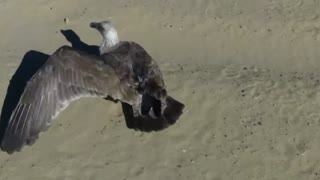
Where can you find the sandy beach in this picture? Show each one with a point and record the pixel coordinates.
(247, 72)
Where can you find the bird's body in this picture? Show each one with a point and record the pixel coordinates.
(142, 67)
(124, 71)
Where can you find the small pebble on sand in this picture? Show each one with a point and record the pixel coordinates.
(66, 20)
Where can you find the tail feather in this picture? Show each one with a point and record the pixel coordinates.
(147, 122)
(173, 110)
(146, 104)
(150, 103)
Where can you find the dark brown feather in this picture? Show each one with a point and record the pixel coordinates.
(67, 75)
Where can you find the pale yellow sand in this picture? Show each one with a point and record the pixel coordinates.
(247, 71)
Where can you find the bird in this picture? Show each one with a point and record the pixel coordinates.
(144, 69)
(124, 73)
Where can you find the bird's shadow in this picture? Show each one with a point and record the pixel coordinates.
(30, 64)
(76, 42)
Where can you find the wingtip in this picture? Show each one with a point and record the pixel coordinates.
(11, 147)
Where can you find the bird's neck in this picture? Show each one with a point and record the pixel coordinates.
(110, 39)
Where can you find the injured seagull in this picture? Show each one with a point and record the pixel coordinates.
(144, 69)
(70, 74)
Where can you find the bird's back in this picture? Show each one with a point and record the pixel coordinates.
(134, 59)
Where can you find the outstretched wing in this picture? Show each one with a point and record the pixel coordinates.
(67, 75)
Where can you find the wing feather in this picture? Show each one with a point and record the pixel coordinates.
(67, 75)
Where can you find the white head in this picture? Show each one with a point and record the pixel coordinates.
(109, 34)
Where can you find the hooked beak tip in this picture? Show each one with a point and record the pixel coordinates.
(94, 25)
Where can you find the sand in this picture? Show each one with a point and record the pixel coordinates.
(247, 72)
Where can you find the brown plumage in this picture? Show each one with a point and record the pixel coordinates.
(126, 73)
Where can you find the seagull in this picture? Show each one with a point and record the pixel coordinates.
(142, 67)
(123, 71)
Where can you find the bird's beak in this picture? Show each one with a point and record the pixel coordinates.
(95, 25)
